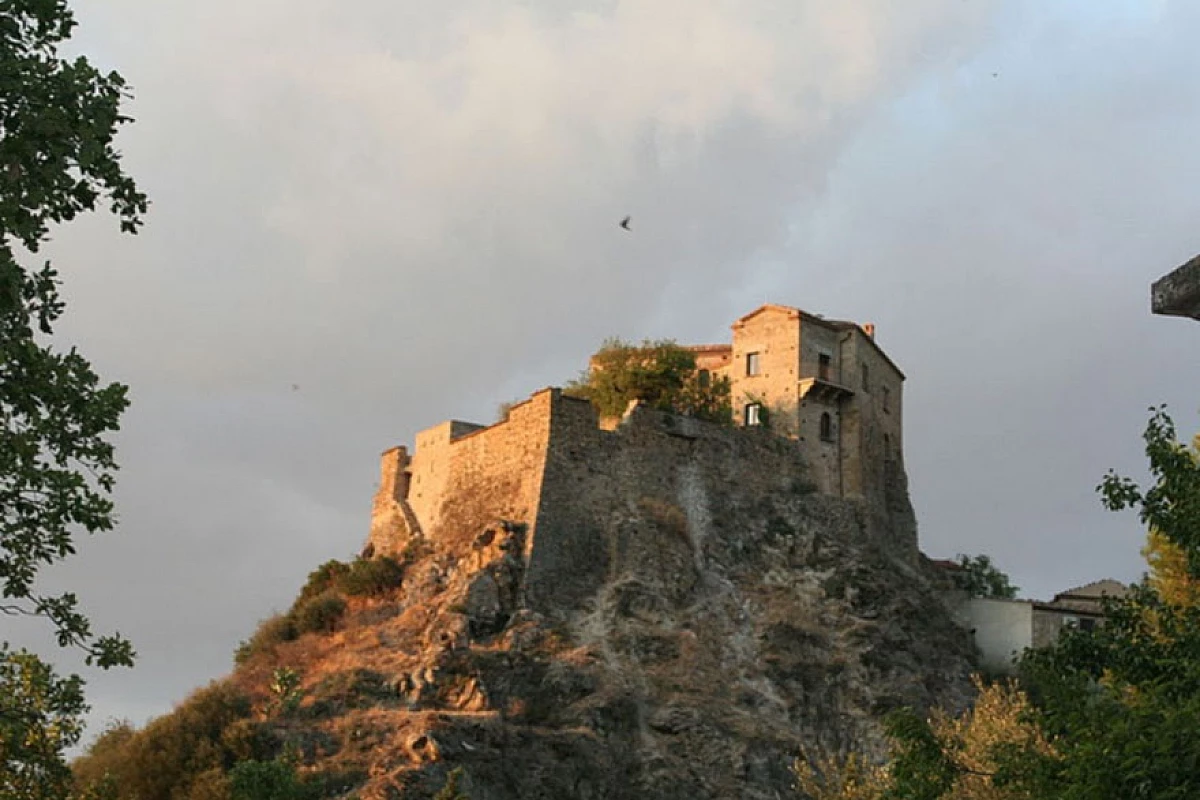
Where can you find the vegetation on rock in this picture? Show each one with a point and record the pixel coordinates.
(979, 577)
(661, 374)
(1103, 714)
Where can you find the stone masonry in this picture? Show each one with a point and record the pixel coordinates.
(831, 425)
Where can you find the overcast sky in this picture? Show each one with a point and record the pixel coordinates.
(410, 213)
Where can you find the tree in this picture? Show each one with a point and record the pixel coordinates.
(981, 578)
(39, 719)
(661, 374)
(1105, 714)
(58, 120)
(941, 756)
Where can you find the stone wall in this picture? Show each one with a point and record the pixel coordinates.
(654, 470)
(582, 492)
(775, 336)
(1002, 629)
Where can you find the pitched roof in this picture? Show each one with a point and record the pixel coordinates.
(1093, 591)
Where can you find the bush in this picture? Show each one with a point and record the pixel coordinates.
(271, 632)
(371, 576)
(175, 753)
(322, 579)
(265, 780)
(320, 614)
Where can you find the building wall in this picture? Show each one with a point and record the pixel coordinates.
(1003, 629)
(775, 336)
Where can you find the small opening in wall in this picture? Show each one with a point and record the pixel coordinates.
(887, 400)
(751, 363)
(753, 414)
(826, 427)
(866, 379)
(824, 366)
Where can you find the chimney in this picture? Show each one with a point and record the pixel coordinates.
(869, 329)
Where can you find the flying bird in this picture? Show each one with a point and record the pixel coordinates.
(295, 387)
(625, 224)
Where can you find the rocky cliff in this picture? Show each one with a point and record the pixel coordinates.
(688, 672)
(665, 610)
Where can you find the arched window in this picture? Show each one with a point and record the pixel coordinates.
(826, 427)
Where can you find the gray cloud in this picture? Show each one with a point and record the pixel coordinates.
(411, 214)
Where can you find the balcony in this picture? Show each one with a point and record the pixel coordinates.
(822, 381)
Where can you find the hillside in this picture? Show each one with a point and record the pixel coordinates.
(691, 667)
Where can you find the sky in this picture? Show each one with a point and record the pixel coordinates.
(372, 215)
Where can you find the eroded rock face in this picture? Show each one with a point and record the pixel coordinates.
(700, 668)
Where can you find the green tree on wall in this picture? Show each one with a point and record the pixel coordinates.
(661, 374)
(981, 578)
(58, 120)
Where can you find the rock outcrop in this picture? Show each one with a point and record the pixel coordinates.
(693, 666)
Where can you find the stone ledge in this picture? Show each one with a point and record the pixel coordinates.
(1178, 294)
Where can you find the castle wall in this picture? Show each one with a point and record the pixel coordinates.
(604, 490)
(492, 473)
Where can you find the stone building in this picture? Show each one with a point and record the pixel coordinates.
(818, 410)
(1003, 629)
(825, 384)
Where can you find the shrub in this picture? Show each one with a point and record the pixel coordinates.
(173, 756)
(322, 579)
(371, 576)
(271, 632)
(320, 614)
(265, 780)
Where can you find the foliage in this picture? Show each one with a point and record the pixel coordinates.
(1169, 576)
(40, 717)
(58, 120)
(285, 690)
(981, 578)
(939, 757)
(661, 374)
(505, 408)
(1110, 713)
(371, 577)
(320, 605)
(176, 754)
(320, 614)
(849, 777)
(450, 790)
(321, 580)
(266, 780)
(271, 632)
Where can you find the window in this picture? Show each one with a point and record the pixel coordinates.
(824, 364)
(826, 427)
(705, 378)
(866, 379)
(753, 414)
(887, 399)
(1070, 622)
(1087, 623)
(887, 447)
(751, 363)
